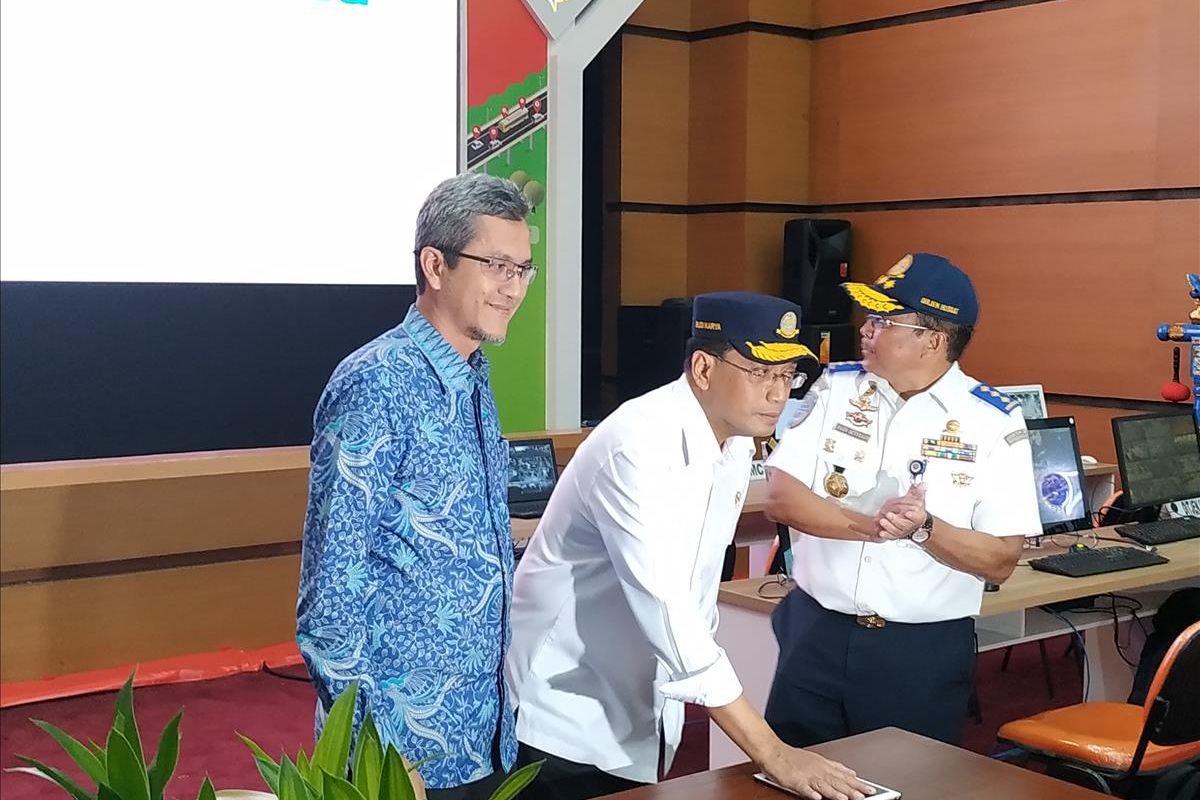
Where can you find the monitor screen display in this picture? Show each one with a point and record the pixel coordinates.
(1159, 458)
(531, 470)
(1057, 474)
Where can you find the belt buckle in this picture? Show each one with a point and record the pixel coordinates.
(873, 621)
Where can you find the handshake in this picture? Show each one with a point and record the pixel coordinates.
(899, 517)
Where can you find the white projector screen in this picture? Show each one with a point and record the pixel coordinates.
(222, 141)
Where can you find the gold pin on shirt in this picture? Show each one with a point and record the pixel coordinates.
(836, 484)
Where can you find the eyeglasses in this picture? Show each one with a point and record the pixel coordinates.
(878, 323)
(501, 270)
(761, 375)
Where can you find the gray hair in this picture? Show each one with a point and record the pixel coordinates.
(447, 217)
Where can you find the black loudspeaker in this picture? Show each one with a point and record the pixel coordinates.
(651, 341)
(816, 260)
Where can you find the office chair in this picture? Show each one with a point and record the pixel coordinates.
(1112, 745)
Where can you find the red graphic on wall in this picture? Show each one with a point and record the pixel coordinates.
(504, 46)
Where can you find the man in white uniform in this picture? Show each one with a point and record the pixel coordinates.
(907, 484)
(614, 601)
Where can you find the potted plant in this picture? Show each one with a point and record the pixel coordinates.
(120, 773)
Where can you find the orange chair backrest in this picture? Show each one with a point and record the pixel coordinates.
(1178, 682)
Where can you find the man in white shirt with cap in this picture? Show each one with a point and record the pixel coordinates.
(614, 601)
(907, 485)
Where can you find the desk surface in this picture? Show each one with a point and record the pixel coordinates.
(919, 768)
(1027, 588)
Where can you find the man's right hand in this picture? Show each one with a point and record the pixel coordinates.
(814, 776)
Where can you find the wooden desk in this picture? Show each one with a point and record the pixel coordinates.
(1008, 617)
(1027, 588)
(919, 768)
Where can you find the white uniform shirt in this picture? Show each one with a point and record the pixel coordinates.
(978, 471)
(615, 600)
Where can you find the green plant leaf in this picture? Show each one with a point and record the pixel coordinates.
(54, 776)
(80, 754)
(165, 758)
(124, 720)
(107, 794)
(368, 760)
(514, 784)
(206, 790)
(306, 769)
(267, 766)
(339, 789)
(126, 772)
(332, 753)
(394, 783)
(291, 785)
(99, 751)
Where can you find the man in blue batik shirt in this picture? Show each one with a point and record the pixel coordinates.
(406, 574)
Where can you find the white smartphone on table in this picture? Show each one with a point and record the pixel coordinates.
(881, 792)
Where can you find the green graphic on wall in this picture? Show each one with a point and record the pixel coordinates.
(507, 137)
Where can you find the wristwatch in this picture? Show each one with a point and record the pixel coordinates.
(921, 534)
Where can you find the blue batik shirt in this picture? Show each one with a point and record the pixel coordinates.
(406, 574)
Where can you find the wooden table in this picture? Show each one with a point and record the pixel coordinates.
(919, 768)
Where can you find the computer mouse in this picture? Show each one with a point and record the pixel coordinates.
(1088, 460)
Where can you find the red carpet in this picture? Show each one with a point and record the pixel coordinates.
(277, 713)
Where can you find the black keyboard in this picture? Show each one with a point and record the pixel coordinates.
(1096, 561)
(1162, 531)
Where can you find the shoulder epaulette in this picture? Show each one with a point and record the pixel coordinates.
(844, 366)
(995, 398)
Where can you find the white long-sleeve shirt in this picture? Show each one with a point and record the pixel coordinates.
(615, 600)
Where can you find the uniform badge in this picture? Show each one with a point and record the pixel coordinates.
(787, 326)
(830, 445)
(949, 446)
(858, 419)
(853, 434)
(836, 485)
(860, 456)
(863, 403)
(962, 478)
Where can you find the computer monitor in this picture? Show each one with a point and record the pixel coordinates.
(531, 470)
(1159, 457)
(1030, 396)
(1058, 475)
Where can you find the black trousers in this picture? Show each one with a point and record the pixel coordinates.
(561, 779)
(836, 678)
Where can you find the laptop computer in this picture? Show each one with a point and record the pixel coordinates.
(532, 474)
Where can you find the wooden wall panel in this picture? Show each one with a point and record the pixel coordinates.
(796, 13)
(49, 629)
(829, 13)
(716, 13)
(716, 253)
(776, 108)
(654, 258)
(717, 122)
(654, 120)
(1070, 294)
(1067, 96)
(675, 15)
(88, 523)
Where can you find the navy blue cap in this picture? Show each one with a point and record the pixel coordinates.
(762, 328)
(923, 283)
